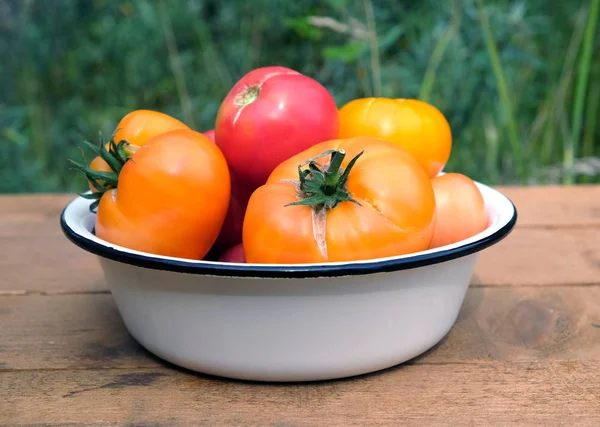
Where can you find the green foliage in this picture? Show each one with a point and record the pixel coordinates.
(518, 81)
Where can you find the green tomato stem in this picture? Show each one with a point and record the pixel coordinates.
(116, 156)
(321, 188)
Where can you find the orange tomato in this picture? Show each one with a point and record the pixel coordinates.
(416, 126)
(460, 209)
(136, 128)
(341, 208)
(171, 198)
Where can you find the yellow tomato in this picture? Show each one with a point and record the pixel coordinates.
(416, 126)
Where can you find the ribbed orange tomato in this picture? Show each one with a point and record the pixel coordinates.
(169, 198)
(416, 126)
(460, 209)
(136, 128)
(341, 200)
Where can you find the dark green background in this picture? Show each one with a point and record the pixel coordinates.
(71, 69)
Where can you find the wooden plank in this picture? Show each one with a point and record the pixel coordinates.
(66, 331)
(506, 323)
(529, 256)
(490, 394)
(29, 215)
(523, 324)
(47, 264)
(38, 258)
(541, 256)
(553, 206)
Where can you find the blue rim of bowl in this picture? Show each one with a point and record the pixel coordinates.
(297, 271)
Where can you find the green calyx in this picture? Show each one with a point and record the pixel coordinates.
(325, 186)
(116, 156)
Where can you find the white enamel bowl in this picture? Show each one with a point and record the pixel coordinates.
(289, 322)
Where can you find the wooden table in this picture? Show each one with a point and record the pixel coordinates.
(525, 348)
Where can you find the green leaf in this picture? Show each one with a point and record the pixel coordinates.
(349, 52)
(304, 28)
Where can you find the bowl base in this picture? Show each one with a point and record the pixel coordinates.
(291, 376)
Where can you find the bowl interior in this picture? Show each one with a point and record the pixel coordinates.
(78, 222)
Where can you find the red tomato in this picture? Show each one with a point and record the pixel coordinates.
(460, 209)
(210, 134)
(231, 232)
(269, 115)
(234, 254)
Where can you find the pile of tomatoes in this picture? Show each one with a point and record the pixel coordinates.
(284, 177)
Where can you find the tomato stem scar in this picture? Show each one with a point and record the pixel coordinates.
(247, 96)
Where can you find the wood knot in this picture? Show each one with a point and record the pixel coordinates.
(541, 325)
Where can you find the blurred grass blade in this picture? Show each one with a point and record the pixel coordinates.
(503, 93)
(438, 52)
(176, 68)
(591, 120)
(583, 73)
(550, 111)
(374, 45)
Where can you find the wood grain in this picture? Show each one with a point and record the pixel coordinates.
(36, 256)
(552, 206)
(64, 332)
(542, 256)
(47, 264)
(517, 324)
(490, 394)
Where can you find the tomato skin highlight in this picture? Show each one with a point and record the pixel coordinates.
(271, 114)
(171, 199)
(461, 211)
(416, 126)
(396, 214)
